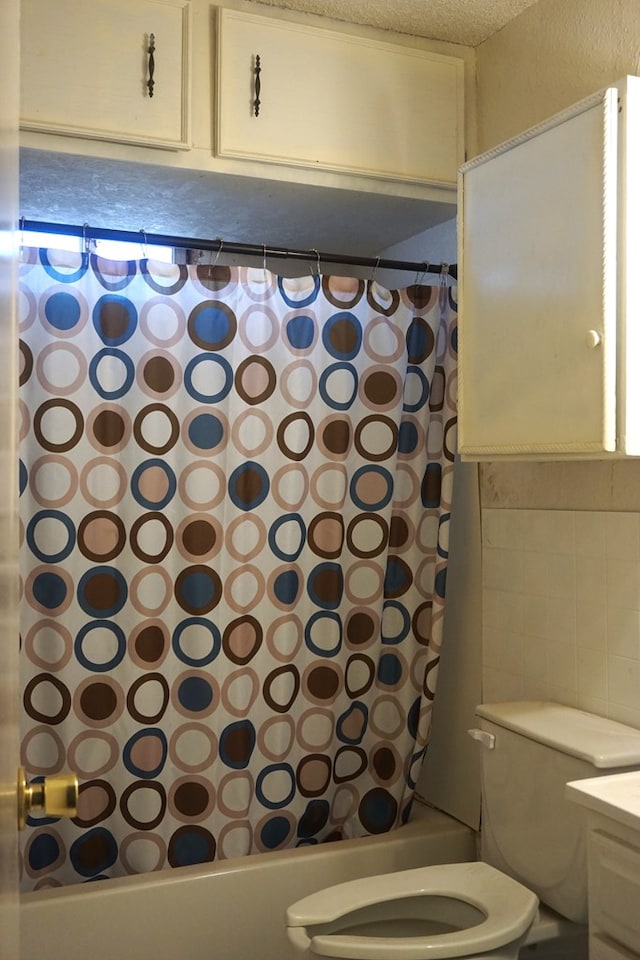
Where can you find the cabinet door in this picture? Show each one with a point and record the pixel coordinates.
(336, 101)
(537, 320)
(86, 68)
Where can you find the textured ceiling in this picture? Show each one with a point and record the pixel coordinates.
(459, 21)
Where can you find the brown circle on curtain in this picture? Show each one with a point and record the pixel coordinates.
(136, 787)
(369, 454)
(349, 764)
(148, 678)
(52, 405)
(26, 366)
(152, 516)
(376, 548)
(241, 640)
(255, 380)
(313, 774)
(272, 680)
(101, 536)
(65, 698)
(360, 687)
(281, 436)
(96, 802)
(173, 435)
(149, 643)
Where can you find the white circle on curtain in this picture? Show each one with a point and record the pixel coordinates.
(329, 486)
(406, 488)
(162, 321)
(252, 432)
(417, 669)
(53, 480)
(235, 793)
(59, 425)
(240, 691)
(244, 588)
(290, 486)
(93, 753)
(235, 840)
(202, 485)
(151, 590)
(435, 437)
(367, 535)
(383, 340)
(103, 482)
(49, 645)
(276, 737)
(364, 582)
(258, 328)
(386, 717)
(193, 747)
(345, 803)
(299, 383)
(142, 852)
(427, 532)
(315, 729)
(376, 438)
(245, 537)
(61, 368)
(42, 751)
(424, 577)
(284, 637)
(26, 308)
(144, 804)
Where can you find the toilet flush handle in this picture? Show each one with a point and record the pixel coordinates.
(487, 740)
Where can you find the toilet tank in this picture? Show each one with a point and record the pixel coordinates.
(530, 751)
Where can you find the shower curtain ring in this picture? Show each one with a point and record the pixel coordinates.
(420, 273)
(375, 270)
(145, 252)
(218, 251)
(317, 253)
(86, 242)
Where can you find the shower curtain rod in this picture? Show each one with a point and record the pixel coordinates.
(88, 232)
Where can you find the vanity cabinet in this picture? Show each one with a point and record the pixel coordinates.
(549, 345)
(114, 70)
(298, 94)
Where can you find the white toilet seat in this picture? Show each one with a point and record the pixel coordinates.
(509, 909)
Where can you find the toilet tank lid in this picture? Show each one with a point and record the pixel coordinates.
(604, 743)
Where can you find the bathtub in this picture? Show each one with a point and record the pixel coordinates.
(231, 910)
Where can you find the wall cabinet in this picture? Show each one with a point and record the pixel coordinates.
(550, 290)
(86, 70)
(293, 93)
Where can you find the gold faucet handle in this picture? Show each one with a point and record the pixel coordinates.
(55, 796)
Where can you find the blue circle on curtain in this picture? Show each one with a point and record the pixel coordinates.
(236, 744)
(212, 325)
(279, 772)
(166, 491)
(190, 845)
(93, 852)
(314, 819)
(398, 577)
(378, 811)
(226, 371)
(454, 339)
(118, 281)
(154, 736)
(334, 618)
(342, 399)
(413, 718)
(325, 585)
(352, 724)
(389, 670)
(299, 303)
(23, 476)
(49, 590)
(105, 665)
(248, 485)
(102, 592)
(275, 832)
(206, 431)
(292, 529)
(198, 589)
(62, 311)
(58, 518)
(206, 625)
(300, 331)
(44, 851)
(286, 586)
(115, 319)
(342, 336)
(420, 340)
(408, 438)
(126, 381)
(440, 583)
(60, 275)
(195, 694)
(422, 392)
(358, 486)
(444, 554)
(404, 618)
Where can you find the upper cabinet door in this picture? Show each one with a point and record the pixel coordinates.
(86, 70)
(336, 101)
(538, 309)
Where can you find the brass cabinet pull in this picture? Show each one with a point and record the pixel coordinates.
(152, 63)
(55, 796)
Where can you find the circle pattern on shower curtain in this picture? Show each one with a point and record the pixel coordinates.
(235, 491)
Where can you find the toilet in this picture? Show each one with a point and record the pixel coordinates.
(531, 881)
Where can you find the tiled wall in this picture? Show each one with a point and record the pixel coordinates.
(561, 609)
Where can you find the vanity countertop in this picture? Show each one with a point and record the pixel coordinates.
(616, 796)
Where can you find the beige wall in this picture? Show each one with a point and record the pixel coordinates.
(552, 55)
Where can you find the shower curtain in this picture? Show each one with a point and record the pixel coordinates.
(235, 496)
